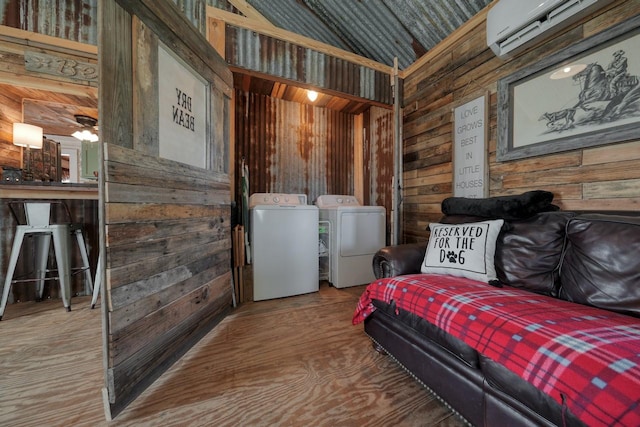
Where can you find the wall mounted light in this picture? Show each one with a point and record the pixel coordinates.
(28, 136)
(312, 95)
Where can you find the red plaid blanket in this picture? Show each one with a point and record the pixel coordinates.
(590, 357)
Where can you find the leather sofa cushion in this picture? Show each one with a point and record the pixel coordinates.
(455, 346)
(392, 261)
(601, 266)
(528, 251)
(528, 254)
(507, 382)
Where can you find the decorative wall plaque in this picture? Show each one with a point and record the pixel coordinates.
(60, 66)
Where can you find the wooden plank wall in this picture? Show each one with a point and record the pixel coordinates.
(168, 266)
(463, 68)
(166, 224)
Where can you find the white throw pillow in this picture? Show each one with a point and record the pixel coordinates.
(463, 250)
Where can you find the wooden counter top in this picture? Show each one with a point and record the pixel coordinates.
(48, 190)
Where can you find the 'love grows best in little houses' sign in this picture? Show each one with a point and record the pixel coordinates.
(469, 149)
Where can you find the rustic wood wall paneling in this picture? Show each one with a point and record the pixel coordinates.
(116, 102)
(10, 113)
(463, 69)
(167, 224)
(220, 147)
(145, 87)
(168, 242)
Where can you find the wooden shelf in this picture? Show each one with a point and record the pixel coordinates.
(49, 190)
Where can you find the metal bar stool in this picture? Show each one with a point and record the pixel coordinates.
(98, 282)
(38, 224)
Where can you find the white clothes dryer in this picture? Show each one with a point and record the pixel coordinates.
(357, 233)
(284, 245)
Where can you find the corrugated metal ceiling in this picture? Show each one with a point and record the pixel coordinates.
(376, 29)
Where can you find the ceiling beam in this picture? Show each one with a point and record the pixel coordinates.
(35, 82)
(324, 91)
(34, 39)
(446, 44)
(278, 33)
(250, 12)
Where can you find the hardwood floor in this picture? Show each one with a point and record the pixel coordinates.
(296, 361)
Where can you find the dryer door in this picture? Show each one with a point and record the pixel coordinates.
(361, 233)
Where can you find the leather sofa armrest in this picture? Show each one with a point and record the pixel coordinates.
(397, 260)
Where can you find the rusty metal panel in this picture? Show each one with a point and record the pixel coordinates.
(196, 13)
(66, 19)
(380, 163)
(293, 148)
(378, 160)
(260, 53)
(376, 29)
(77, 20)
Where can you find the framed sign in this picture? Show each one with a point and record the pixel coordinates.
(183, 111)
(470, 169)
(585, 95)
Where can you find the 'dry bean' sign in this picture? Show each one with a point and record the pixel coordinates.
(182, 110)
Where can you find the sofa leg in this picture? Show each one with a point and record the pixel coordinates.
(377, 347)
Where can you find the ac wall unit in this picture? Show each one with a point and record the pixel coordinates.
(513, 25)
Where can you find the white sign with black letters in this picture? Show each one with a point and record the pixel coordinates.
(183, 112)
(470, 169)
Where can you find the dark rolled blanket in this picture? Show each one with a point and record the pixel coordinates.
(516, 207)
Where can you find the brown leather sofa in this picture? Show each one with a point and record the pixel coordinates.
(584, 258)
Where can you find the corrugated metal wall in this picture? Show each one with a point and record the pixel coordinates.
(67, 19)
(77, 20)
(293, 148)
(380, 29)
(252, 51)
(378, 159)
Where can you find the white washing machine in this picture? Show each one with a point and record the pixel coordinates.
(357, 232)
(284, 245)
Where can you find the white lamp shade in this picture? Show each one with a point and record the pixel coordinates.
(312, 95)
(25, 135)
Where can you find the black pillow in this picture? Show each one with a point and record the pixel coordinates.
(520, 206)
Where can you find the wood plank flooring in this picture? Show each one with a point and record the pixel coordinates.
(296, 361)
